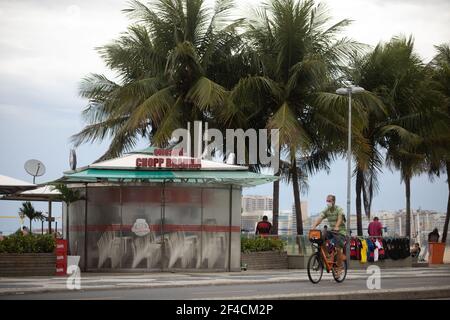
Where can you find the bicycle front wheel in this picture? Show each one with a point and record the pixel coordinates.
(315, 268)
(339, 274)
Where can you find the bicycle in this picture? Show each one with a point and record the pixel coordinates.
(319, 260)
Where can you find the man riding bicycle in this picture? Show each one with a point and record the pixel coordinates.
(336, 219)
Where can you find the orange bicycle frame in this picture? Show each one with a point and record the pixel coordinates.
(328, 262)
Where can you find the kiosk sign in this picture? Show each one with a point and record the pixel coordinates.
(140, 227)
(169, 159)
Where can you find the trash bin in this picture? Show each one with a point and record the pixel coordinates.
(436, 255)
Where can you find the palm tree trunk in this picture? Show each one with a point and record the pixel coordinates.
(30, 226)
(276, 202)
(359, 187)
(297, 202)
(447, 216)
(276, 197)
(408, 206)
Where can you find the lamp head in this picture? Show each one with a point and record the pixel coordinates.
(351, 89)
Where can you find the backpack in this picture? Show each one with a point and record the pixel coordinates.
(381, 253)
(385, 249)
(353, 249)
(405, 249)
(358, 249)
(370, 249)
(394, 250)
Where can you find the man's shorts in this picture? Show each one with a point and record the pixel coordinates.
(337, 239)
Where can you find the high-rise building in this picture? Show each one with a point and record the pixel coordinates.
(287, 224)
(256, 203)
(304, 208)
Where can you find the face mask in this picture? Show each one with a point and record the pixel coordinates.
(329, 204)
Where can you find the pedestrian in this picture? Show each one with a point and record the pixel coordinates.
(263, 227)
(433, 236)
(25, 231)
(415, 251)
(375, 228)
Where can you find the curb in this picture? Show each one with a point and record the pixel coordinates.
(387, 294)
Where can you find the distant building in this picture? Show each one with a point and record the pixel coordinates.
(287, 224)
(304, 208)
(256, 203)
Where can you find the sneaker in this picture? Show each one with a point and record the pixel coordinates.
(338, 271)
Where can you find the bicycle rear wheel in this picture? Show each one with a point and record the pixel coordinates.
(315, 268)
(339, 275)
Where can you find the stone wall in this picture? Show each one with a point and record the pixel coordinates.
(27, 264)
(265, 260)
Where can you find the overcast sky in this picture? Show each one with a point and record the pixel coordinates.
(46, 47)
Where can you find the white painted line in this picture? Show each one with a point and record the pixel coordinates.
(222, 292)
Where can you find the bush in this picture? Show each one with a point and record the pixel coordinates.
(261, 244)
(18, 243)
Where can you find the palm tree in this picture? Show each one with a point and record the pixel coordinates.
(440, 159)
(377, 71)
(68, 196)
(175, 64)
(297, 57)
(297, 171)
(414, 102)
(28, 210)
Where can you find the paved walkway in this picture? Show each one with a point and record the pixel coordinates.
(107, 281)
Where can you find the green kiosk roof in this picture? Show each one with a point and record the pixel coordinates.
(242, 178)
(150, 166)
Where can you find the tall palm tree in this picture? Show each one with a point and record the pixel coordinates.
(28, 210)
(439, 69)
(175, 64)
(298, 55)
(415, 104)
(297, 171)
(379, 71)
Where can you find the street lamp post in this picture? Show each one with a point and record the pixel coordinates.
(349, 91)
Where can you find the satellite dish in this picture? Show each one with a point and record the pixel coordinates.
(73, 159)
(34, 168)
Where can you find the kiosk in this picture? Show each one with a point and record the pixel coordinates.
(157, 211)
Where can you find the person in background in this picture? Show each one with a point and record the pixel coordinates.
(433, 236)
(1, 236)
(25, 231)
(375, 228)
(415, 251)
(263, 227)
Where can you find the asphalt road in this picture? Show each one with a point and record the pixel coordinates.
(234, 291)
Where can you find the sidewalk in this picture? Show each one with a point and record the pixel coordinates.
(105, 281)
